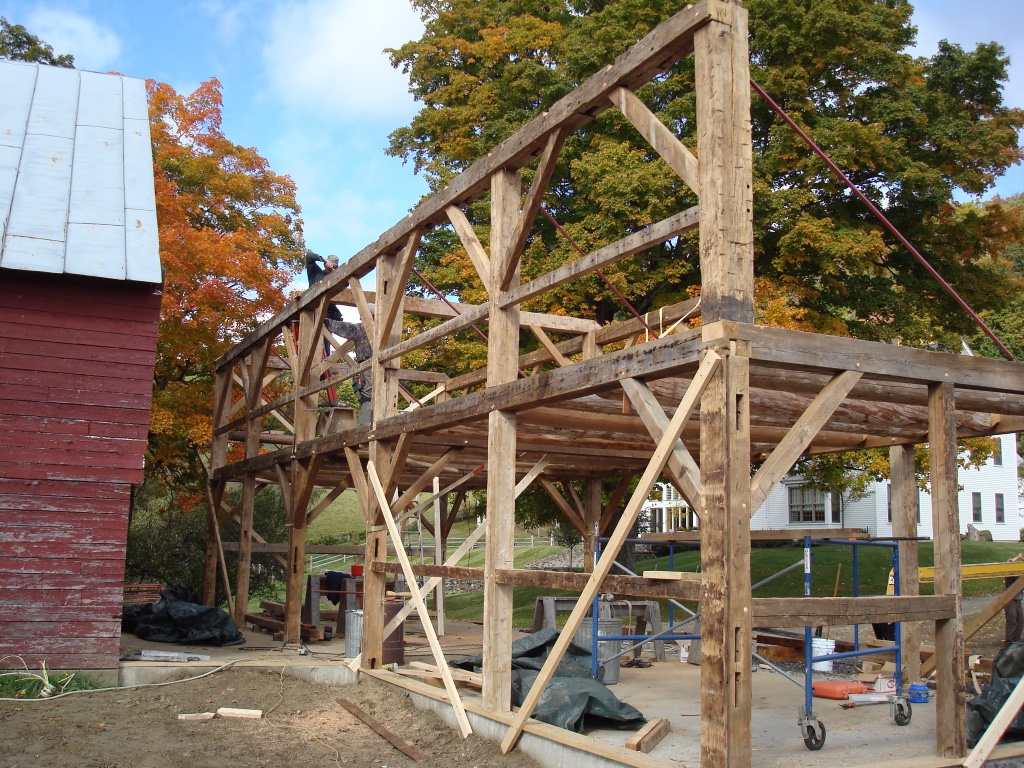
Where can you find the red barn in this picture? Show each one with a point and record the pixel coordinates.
(79, 308)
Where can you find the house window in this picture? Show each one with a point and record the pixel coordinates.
(806, 505)
(837, 508)
(997, 454)
(976, 507)
(1000, 514)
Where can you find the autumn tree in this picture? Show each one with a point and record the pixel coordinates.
(229, 245)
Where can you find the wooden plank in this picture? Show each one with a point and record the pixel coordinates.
(664, 142)
(1006, 715)
(421, 608)
(648, 737)
(363, 308)
(549, 345)
(689, 402)
(641, 240)
(665, 575)
(950, 714)
(667, 43)
(570, 514)
(780, 612)
(475, 315)
(397, 742)
(781, 461)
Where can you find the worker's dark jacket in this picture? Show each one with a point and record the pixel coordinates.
(316, 273)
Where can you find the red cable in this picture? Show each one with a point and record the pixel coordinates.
(881, 217)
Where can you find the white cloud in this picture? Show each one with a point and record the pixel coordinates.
(94, 47)
(229, 18)
(326, 56)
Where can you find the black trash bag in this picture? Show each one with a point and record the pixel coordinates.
(170, 620)
(572, 700)
(1007, 670)
(575, 703)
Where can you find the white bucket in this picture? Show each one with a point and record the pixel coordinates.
(821, 646)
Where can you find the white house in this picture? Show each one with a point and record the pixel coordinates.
(988, 499)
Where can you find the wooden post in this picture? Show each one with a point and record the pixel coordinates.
(592, 518)
(727, 289)
(502, 356)
(303, 473)
(950, 713)
(218, 457)
(440, 549)
(384, 403)
(904, 523)
(253, 391)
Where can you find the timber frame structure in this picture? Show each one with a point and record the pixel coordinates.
(696, 404)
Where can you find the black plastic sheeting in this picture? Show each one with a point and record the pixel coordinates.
(1007, 670)
(177, 618)
(572, 700)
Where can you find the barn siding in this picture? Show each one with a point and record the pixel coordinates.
(76, 375)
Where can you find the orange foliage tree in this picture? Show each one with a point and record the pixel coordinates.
(230, 242)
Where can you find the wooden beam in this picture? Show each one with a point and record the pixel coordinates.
(686, 407)
(682, 467)
(616, 497)
(534, 199)
(549, 345)
(532, 475)
(467, 236)
(904, 499)
(502, 353)
(423, 480)
(363, 308)
(566, 508)
(778, 465)
(395, 284)
(591, 521)
(327, 500)
(950, 714)
(640, 240)
(664, 142)
(779, 612)
(421, 608)
(400, 744)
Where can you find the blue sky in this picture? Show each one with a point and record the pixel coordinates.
(307, 84)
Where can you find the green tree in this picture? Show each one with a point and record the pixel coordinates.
(912, 132)
(19, 44)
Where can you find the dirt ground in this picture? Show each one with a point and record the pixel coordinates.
(303, 725)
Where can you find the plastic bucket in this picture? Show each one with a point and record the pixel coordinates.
(353, 632)
(918, 694)
(605, 648)
(821, 646)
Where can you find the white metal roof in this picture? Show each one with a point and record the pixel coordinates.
(76, 174)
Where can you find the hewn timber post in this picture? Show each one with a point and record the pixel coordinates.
(302, 472)
(440, 550)
(592, 518)
(502, 355)
(218, 457)
(253, 390)
(384, 403)
(727, 278)
(950, 713)
(904, 524)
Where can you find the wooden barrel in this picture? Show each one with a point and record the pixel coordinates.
(394, 644)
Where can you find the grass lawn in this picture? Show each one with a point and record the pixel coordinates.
(829, 560)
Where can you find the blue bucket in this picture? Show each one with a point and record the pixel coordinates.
(918, 694)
